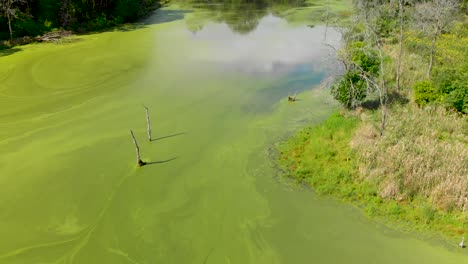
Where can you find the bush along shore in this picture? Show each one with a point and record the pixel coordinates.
(399, 146)
(25, 21)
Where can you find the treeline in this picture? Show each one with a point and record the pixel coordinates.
(406, 46)
(34, 17)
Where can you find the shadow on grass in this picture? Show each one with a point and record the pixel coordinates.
(169, 136)
(392, 98)
(7, 52)
(160, 161)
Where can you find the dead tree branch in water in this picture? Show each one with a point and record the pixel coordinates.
(148, 123)
(139, 161)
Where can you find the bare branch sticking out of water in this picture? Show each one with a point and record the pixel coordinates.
(148, 123)
(139, 161)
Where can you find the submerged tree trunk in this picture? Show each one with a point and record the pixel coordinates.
(138, 157)
(148, 123)
(400, 48)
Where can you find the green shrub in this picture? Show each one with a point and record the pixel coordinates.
(458, 100)
(128, 10)
(424, 93)
(25, 26)
(452, 85)
(365, 56)
(348, 96)
(351, 89)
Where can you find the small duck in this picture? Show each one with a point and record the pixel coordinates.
(292, 98)
(462, 243)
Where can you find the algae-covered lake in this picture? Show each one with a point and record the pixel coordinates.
(215, 80)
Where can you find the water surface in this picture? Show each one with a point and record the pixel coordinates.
(70, 190)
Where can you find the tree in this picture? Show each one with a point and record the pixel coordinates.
(376, 16)
(361, 66)
(9, 8)
(434, 18)
(400, 41)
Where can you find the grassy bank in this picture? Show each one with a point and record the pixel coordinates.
(321, 156)
(335, 158)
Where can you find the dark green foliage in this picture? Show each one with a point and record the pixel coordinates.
(361, 64)
(452, 85)
(364, 56)
(128, 10)
(449, 86)
(26, 26)
(3, 28)
(350, 90)
(424, 93)
(39, 16)
(458, 99)
(47, 12)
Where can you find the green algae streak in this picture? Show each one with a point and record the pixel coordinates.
(70, 190)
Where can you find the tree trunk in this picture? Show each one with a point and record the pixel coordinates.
(383, 120)
(431, 56)
(400, 51)
(148, 123)
(9, 24)
(138, 157)
(383, 91)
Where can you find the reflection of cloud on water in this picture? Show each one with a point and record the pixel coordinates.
(273, 47)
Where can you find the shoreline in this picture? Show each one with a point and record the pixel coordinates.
(321, 158)
(57, 34)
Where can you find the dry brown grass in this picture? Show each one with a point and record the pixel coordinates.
(423, 153)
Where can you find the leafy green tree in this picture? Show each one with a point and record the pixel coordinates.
(361, 66)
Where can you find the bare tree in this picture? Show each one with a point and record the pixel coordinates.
(137, 148)
(371, 14)
(8, 8)
(401, 11)
(148, 123)
(65, 15)
(433, 18)
(353, 82)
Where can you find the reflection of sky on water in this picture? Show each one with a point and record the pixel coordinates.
(272, 48)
